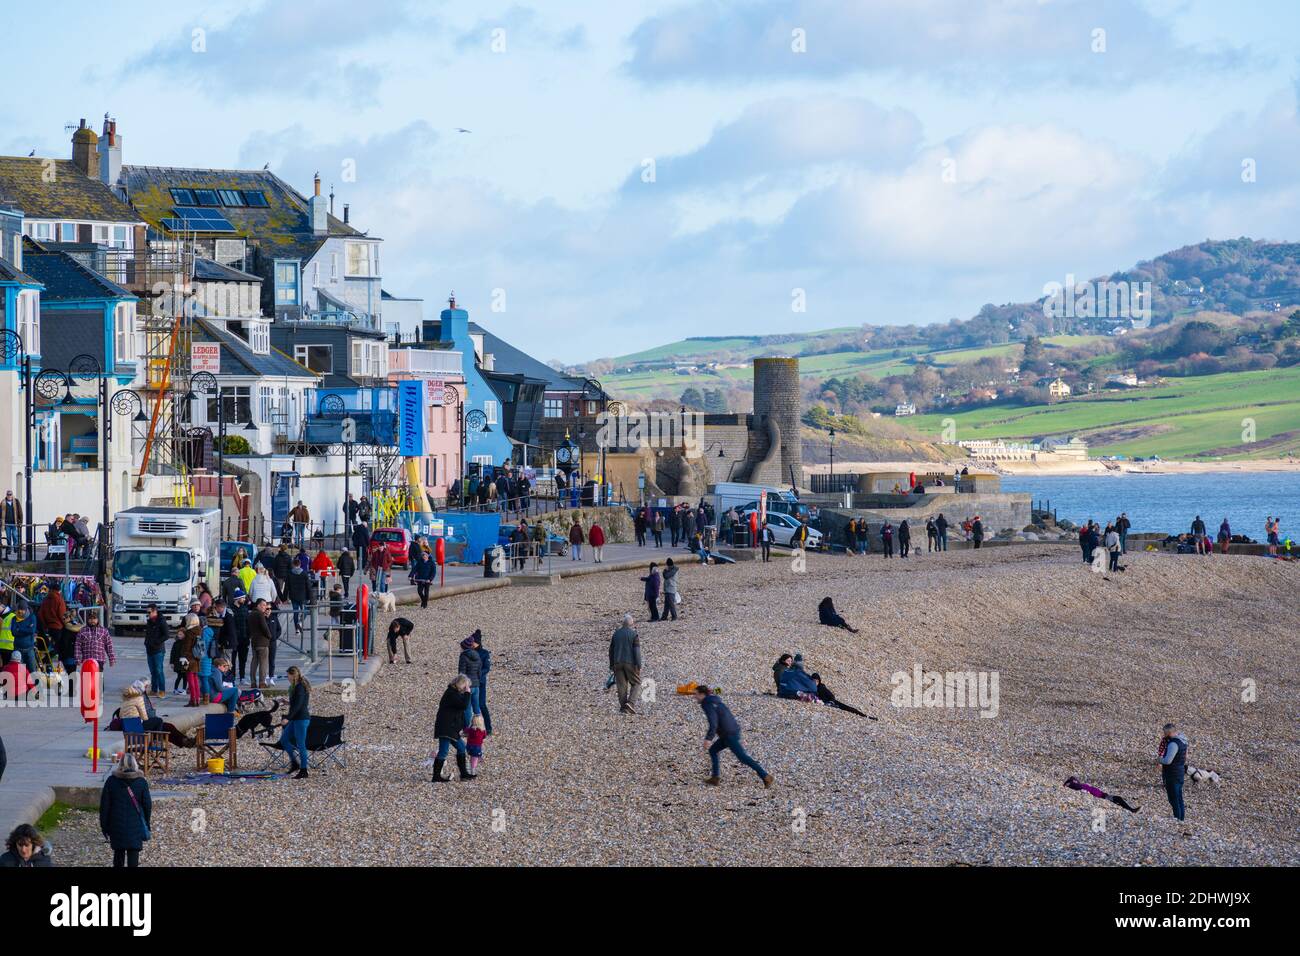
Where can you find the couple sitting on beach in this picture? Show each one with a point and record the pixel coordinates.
(794, 683)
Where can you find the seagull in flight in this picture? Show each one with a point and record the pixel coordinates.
(461, 129)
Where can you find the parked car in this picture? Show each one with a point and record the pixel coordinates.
(555, 544)
(396, 540)
(228, 549)
(783, 528)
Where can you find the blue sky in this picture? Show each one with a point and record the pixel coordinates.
(913, 161)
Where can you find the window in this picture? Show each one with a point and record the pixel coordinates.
(266, 404)
(358, 258)
(318, 358)
(255, 198)
(554, 408)
(482, 459)
(286, 282)
(592, 408)
(68, 232)
(315, 275)
(29, 321)
(99, 234)
(369, 359)
(124, 333)
(43, 231)
(334, 267)
(490, 409)
(236, 406)
(259, 337)
(230, 197)
(183, 197)
(206, 197)
(119, 237)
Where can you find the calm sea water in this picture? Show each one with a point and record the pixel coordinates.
(1169, 502)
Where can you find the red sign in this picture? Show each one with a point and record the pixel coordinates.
(92, 703)
(205, 357)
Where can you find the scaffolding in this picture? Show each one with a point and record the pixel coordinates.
(162, 279)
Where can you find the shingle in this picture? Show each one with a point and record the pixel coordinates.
(66, 194)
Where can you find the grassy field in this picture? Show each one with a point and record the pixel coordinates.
(1183, 418)
(877, 363)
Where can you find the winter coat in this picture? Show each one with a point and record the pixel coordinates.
(652, 582)
(451, 713)
(156, 633)
(188, 642)
(596, 536)
(795, 680)
(299, 587)
(299, 708)
(425, 569)
(259, 630)
(51, 611)
(470, 665)
(625, 648)
(721, 721)
(575, 534)
(263, 589)
(281, 565)
(119, 820)
(670, 580)
(347, 565)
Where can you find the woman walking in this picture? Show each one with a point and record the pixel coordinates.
(125, 809)
(448, 726)
(294, 736)
(424, 572)
(576, 539)
(596, 537)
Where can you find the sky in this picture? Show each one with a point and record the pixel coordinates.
(639, 172)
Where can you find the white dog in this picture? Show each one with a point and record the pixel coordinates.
(385, 601)
(1204, 776)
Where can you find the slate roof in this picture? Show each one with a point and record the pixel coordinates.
(281, 230)
(65, 279)
(511, 360)
(9, 274)
(209, 271)
(237, 358)
(69, 193)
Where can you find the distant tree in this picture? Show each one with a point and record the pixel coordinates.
(692, 398)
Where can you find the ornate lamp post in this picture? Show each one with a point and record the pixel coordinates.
(832, 459)
(204, 385)
(15, 349)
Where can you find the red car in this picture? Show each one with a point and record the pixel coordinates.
(396, 540)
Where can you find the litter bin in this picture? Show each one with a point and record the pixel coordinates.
(491, 557)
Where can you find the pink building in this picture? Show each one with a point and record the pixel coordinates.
(443, 460)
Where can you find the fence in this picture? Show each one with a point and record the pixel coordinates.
(834, 484)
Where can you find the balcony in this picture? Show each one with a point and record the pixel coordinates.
(335, 318)
(424, 363)
(373, 409)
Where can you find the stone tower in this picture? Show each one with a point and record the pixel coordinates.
(777, 408)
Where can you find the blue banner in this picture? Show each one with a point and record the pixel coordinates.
(410, 418)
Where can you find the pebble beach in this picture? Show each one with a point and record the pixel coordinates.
(1088, 668)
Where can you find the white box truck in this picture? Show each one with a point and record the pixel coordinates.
(161, 556)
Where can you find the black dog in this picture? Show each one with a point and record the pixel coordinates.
(258, 723)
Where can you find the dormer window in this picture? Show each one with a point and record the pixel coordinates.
(259, 337)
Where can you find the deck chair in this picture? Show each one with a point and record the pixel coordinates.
(217, 738)
(324, 746)
(152, 748)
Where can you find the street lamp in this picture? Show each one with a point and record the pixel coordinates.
(204, 385)
(832, 459)
(13, 347)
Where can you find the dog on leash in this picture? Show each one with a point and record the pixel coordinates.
(260, 723)
(386, 601)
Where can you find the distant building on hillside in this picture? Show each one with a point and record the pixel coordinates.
(906, 408)
(1058, 390)
(1066, 447)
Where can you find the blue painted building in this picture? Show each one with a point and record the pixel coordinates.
(491, 445)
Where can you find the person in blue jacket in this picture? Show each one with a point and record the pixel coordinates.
(795, 681)
(24, 631)
(125, 811)
(723, 726)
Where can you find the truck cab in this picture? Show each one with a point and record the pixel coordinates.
(161, 556)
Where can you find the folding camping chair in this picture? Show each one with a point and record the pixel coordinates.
(324, 746)
(217, 738)
(150, 747)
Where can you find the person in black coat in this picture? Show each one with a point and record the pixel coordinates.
(448, 726)
(653, 584)
(399, 627)
(826, 614)
(280, 568)
(361, 543)
(239, 616)
(827, 697)
(125, 809)
(471, 665)
(25, 848)
(347, 566)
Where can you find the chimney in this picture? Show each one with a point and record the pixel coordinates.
(85, 150)
(110, 153)
(317, 212)
(345, 214)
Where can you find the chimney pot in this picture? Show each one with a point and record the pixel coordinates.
(318, 184)
(345, 213)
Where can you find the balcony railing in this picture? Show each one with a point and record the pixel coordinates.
(334, 317)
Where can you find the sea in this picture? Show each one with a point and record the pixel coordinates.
(1168, 503)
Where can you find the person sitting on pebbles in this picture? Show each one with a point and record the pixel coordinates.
(796, 684)
(826, 614)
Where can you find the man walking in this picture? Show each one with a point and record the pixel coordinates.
(724, 727)
(941, 531)
(670, 590)
(977, 532)
(625, 663)
(300, 517)
(11, 515)
(1198, 531)
(767, 537)
(1173, 767)
(1122, 524)
(259, 634)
